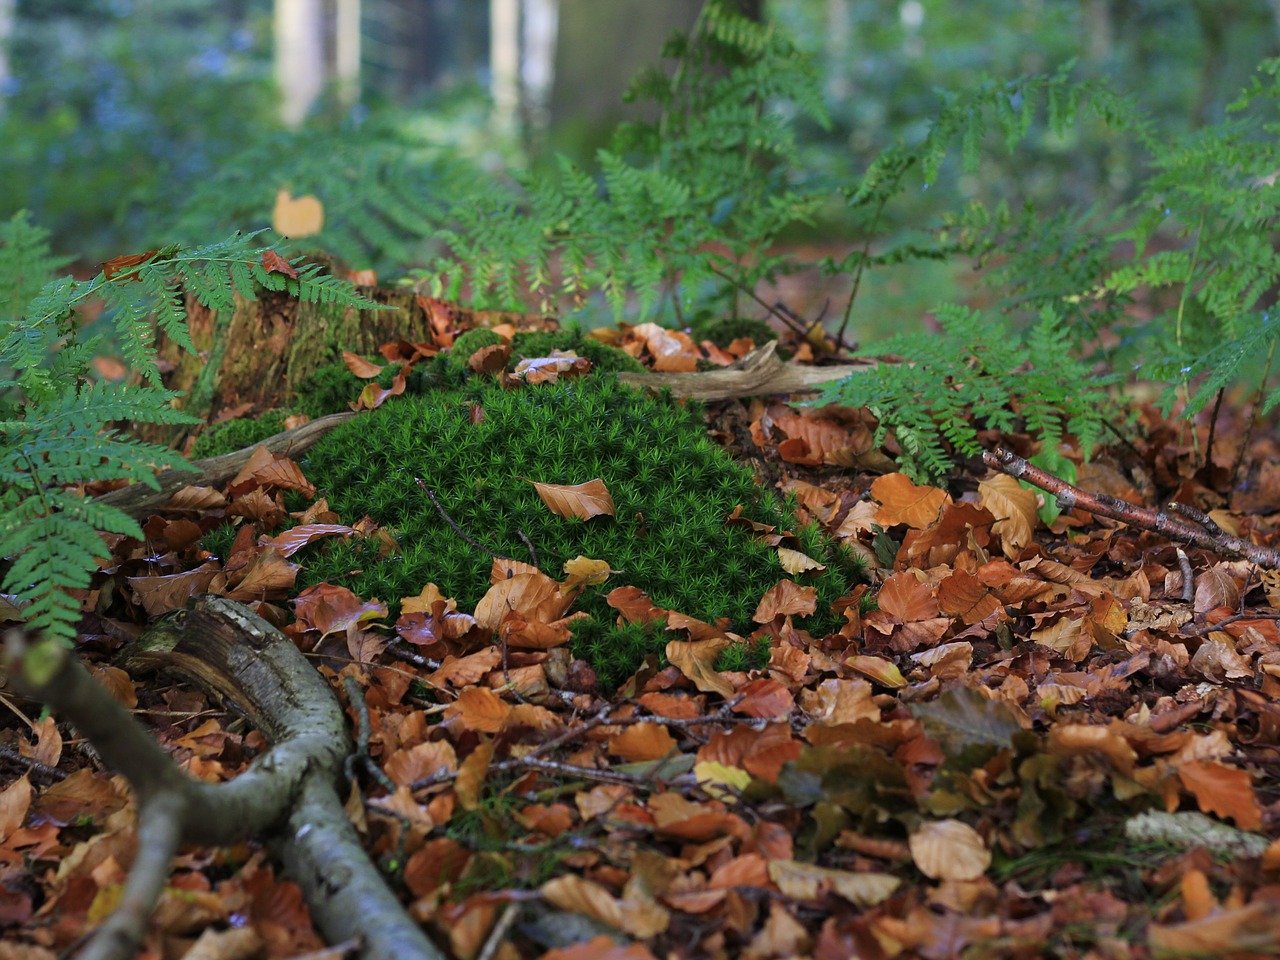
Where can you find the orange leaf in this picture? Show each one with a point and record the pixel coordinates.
(786, 598)
(272, 262)
(765, 698)
(269, 575)
(642, 741)
(361, 367)
(373, 396)
(907, 599)
(119, 264)
(599, 948)
(472, 773)
(479, 708)
(581, 500)
(965, 596)
(1015, 509)
(15, 801)
(694, 658)
(1226, 791)
(901, 501)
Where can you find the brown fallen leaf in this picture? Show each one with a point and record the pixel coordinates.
(581, 500)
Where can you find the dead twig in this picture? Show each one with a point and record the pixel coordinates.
(1143, 518)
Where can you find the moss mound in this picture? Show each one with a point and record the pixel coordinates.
(671, 484)
(723, 331)
(604, 358)
(235, 435)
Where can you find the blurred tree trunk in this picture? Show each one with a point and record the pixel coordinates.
(8, 12)
(599, 49)
(299, 50)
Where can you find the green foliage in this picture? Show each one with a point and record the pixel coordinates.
(113, 111)
(673, 488)
(724, 331)
(58, 426)
(684, 208)
(232, 435)
(979, 372)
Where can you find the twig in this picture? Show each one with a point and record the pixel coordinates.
(499, 932)
(533, 553)
(35, 766)
(1141, 517)
(456, 529)
(360, 753)
(1188, 579)
(1202, 629)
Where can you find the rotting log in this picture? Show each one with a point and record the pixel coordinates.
(288, 795)
(761, 372)
(139, 500)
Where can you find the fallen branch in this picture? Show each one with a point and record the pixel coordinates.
(139, 500)
(287, 795)
(1173, 527)
(760, 372)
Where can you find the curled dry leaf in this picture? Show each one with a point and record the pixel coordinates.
(949, 850)
(1015, 509)
(359, 366)
(581, 500)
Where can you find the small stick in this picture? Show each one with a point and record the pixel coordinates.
(1103, 505)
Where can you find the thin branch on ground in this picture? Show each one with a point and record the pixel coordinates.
(1143, 518)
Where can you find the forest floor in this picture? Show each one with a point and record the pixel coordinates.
(1037, 742)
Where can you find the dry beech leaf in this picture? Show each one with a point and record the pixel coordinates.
(479, 708)
(297, 217)
(694, 658)
(581, 500)
(1015, 510)
(805, 881)
(949, 850)
(642, 741)
(796, 563)
(293, 540)
(901, 501)
(359, 366)
(882, 671)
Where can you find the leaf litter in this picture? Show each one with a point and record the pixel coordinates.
(990, 757)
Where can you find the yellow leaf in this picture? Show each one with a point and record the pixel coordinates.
(300, 217)
(716, 777)
(584, 572)
(694, 658)
(804, 881)
(796, 563)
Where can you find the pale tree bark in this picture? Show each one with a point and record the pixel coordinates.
(504, 63)
(8, 16)
(299, 56)
(346, 51)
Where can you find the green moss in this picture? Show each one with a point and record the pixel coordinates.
(672, 487)
(725, 330)
(459, 354)
(332, 388)
(232, 435)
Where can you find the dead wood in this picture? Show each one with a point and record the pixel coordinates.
(139, 500)
(759, 373)
(287, 795)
